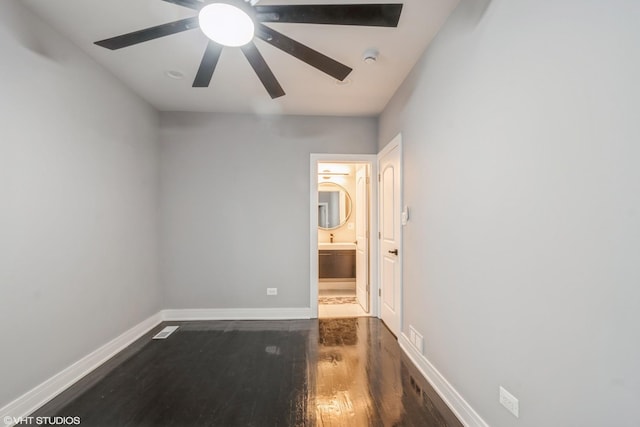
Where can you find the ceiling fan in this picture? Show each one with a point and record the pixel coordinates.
(236, 22)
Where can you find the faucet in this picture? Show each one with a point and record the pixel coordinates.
(331, 237)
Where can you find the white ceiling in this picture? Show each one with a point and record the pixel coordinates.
(235, 87)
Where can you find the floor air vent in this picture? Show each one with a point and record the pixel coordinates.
(165, 332)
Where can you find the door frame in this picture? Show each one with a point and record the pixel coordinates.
(372, 160)
(395, 142)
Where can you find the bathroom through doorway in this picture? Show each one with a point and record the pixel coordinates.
(342, 222)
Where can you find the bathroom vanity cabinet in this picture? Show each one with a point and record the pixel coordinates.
(337, 264)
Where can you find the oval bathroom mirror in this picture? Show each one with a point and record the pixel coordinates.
(334, 205)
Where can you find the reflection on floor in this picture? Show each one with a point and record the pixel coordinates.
(325, 373)
(331, 310)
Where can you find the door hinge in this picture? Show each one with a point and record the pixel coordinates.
(379, 178)
(379, 235)
(379, 292)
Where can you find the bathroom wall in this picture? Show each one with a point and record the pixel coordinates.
(235, 204)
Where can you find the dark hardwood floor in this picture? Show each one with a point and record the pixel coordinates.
(329, 373)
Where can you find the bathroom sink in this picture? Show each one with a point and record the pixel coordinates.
(336, 246)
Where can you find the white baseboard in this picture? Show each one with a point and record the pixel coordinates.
(338, 285)
(465, 413)
(236, 314)
(41, 394)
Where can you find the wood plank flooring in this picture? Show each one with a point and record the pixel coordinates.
(326, 373)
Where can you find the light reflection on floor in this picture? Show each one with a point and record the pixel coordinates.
(343, 378)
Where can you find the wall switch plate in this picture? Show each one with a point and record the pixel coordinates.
(509, 401)
(405, 215)
(272, 291)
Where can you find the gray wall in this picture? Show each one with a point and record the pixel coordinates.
(522, 256)
(78, 202)
(235, 204)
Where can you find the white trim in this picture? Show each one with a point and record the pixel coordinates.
(35, 398)
(236, 314)
(313, 234)
(460, 407)
(341, 285)
(372, 160)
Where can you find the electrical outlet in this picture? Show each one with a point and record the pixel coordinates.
(509, 401)
(272, 291)
(416, 339)
(412, 335)
(419, 343)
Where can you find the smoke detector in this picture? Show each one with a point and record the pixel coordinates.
(370, 56)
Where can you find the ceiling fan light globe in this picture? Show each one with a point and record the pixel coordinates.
(226, 24)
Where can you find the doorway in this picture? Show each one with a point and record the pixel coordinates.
(343, 251)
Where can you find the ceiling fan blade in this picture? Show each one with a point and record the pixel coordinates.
(147, 34)
(373, 15)
(191, 4)
(208, 65)
(263, 71)
(304, 53)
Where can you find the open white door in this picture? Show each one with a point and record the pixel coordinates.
(389, 193)
(362, 233)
